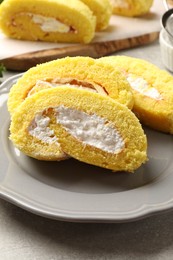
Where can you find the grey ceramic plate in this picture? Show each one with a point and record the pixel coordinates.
(75, 191)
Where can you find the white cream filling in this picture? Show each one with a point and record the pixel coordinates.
(39, 83)
(53, 85)
(49, 24)
(141, 85)
(39, 128)
(90, 129)
(120, 4)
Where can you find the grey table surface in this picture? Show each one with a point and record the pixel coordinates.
(24, 235)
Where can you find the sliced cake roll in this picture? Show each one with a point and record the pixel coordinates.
(35, 138)
(45, 20)
(131, 7)
(89, 127)
(102, 10)
(152, 89)
(76, 72)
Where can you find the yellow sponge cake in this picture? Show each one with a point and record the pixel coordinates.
(92, 128)
(152, 89)
(44, 20)
(78, 72)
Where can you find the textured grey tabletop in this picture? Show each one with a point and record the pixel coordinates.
(24, 235)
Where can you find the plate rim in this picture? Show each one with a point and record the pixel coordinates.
(144, 211)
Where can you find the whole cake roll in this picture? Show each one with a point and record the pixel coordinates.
(91, 128)
(152, 89)
(78, 72)
(131, 7)
(47, 20)
(102, 10)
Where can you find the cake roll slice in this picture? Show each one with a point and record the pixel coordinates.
(131, 7)
(45, 20)
(78, 72)
(90, 128)
(152, 89)
(102, 10)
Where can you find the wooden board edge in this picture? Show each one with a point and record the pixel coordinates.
(95, 50)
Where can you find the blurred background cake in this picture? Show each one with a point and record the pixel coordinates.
(131, 7)
(102, 10)
(43, 20)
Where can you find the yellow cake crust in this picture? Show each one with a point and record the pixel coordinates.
(117, 115)
(84, 69)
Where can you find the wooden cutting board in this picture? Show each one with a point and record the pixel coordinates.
(122, 33)
(25, 61)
